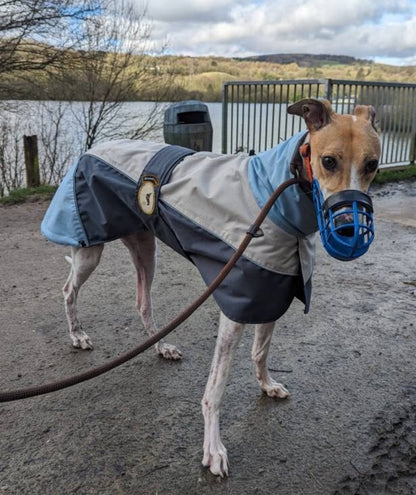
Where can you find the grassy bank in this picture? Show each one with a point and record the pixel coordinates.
(407, 172)
(29, 194)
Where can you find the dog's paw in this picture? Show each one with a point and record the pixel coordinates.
(274, 389)
(217, 461)
(80, 340)
(168, 351)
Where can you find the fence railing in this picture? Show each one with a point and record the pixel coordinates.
(255, 116)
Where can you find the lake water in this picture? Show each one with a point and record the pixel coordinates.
(34, 117)
(61, 129)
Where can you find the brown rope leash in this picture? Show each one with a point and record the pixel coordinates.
(25, 393)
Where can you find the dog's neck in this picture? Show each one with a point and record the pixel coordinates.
(293, 211)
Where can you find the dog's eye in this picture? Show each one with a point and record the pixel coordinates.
(371, 166)
(329, 162)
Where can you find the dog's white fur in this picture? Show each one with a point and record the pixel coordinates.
(142, 250)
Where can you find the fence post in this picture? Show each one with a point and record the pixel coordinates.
(413, 139)
(30, 145)
(328, 89)
(224, 143)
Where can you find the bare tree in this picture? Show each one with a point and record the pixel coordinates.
(114, 66)
(108, 66)
(56, 146)
(11, 157)
(34, 32)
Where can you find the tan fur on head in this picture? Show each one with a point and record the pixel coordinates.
(345, 149)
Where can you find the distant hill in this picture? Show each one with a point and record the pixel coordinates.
(307, 59)
(180, 77)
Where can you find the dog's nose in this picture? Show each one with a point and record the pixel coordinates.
(346, 222)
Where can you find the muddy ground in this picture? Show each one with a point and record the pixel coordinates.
(349, 427)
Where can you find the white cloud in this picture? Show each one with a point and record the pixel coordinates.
(360, 28)
(200, 11)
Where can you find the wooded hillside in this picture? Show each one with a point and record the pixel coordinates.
(190, 77)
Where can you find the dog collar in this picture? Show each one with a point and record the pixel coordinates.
(305, 151)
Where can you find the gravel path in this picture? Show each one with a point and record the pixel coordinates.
(349, 427)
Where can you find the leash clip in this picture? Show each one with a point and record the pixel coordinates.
(255, 231)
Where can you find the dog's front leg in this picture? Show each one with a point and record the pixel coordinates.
(215, 454)
(262, 338)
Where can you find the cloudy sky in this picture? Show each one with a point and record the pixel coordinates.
(381, 30)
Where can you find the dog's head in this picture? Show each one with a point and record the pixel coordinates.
(344, 153)
(345, 149)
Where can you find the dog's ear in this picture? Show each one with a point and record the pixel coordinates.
(317, 113)
(367, 112)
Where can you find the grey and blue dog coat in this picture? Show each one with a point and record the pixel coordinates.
(205, 203)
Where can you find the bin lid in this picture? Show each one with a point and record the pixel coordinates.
(186, 107)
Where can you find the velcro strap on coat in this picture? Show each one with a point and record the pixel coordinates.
(160, 168)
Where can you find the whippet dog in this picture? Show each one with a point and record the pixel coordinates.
(344, 154)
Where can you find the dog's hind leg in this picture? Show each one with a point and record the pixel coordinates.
(262, 338)
(142, 248)
(83, 262)
(215, 454)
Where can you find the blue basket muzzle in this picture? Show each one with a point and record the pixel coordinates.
(345, 221)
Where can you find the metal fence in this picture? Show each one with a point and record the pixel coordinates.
(255, 116)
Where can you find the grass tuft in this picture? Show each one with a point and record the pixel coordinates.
(393, 175)
(28, 194)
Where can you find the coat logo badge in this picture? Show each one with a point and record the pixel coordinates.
(146, 195)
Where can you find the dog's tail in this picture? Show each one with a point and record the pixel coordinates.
(68, 259)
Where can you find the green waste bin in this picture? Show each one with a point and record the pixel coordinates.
(187, 123)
